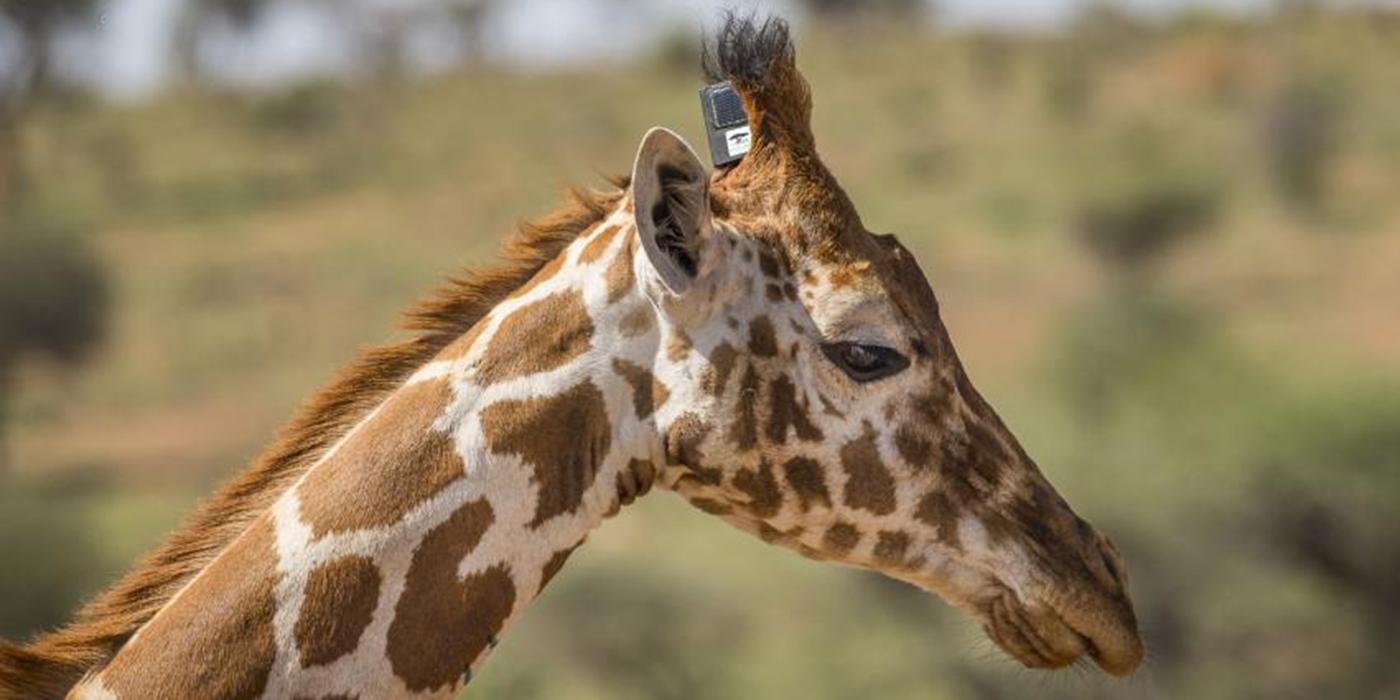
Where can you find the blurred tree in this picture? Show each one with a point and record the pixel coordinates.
(850, 9)
(469, 18)
(199, 17)
(386, 31)
(53, 299)
(1109, 30)
(33, 24)
(382, 32)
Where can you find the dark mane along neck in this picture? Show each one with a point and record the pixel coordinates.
(54, 662)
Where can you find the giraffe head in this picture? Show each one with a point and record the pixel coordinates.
(823, 407)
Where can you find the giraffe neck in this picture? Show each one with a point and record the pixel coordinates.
(396, 562)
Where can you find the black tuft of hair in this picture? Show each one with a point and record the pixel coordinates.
(744, 50)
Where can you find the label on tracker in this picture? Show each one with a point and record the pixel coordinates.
(726, 125)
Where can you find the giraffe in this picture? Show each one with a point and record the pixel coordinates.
(736, 337)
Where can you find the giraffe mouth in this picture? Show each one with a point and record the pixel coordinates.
(1036, 638)
(1043, 639)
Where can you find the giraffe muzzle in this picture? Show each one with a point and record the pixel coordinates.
(1044, 636)
(1080, 607)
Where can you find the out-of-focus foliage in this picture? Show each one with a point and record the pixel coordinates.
(32, 26)
(53, 299)
(53, 293)
(1300, 134)
(1122, 222)
(847, 9)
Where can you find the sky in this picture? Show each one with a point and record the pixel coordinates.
(128, 56)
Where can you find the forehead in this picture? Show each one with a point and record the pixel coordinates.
(849, 278)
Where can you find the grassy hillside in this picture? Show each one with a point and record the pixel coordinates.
(1212, 391)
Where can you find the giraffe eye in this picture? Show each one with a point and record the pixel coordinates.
(865, 363)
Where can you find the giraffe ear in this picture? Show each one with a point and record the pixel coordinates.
(671, 203)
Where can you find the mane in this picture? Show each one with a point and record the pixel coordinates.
(54, 662)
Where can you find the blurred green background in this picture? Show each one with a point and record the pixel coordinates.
(1166, 243)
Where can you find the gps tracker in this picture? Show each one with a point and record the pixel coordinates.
(725, 123)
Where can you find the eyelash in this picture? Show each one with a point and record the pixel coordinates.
(850, 357)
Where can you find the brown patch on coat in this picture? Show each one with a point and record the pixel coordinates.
(682, 447)
(977, 456)
(869, 485)
(563, 437)
(595, 247)
(773, 292)
(710, 505)
(389, 466)
(545, 273)
(340, 599)
(808, 481)
(217, 639)
(442, 623)
(785, 412)
(830, 408)
(769, 534)
(555, 563)
(762, 341)
(463, 344)
(636, 322)
(538, 337)
(683, 439)
(913, 447)
(939, 512)
(765, 498)
(635, 480)
(619, 277)
(648, 392)
(768, 264)
(743, 430)
(841, 277)
(721, 363)
(841, 538)
(678, 344)
(891, 548)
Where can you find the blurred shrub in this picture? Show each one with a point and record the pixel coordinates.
(304, 110)
(1148, 200)
(1132, 226)
(1331, 468)
(53, 292)
(53, 298)
(1300, 140)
